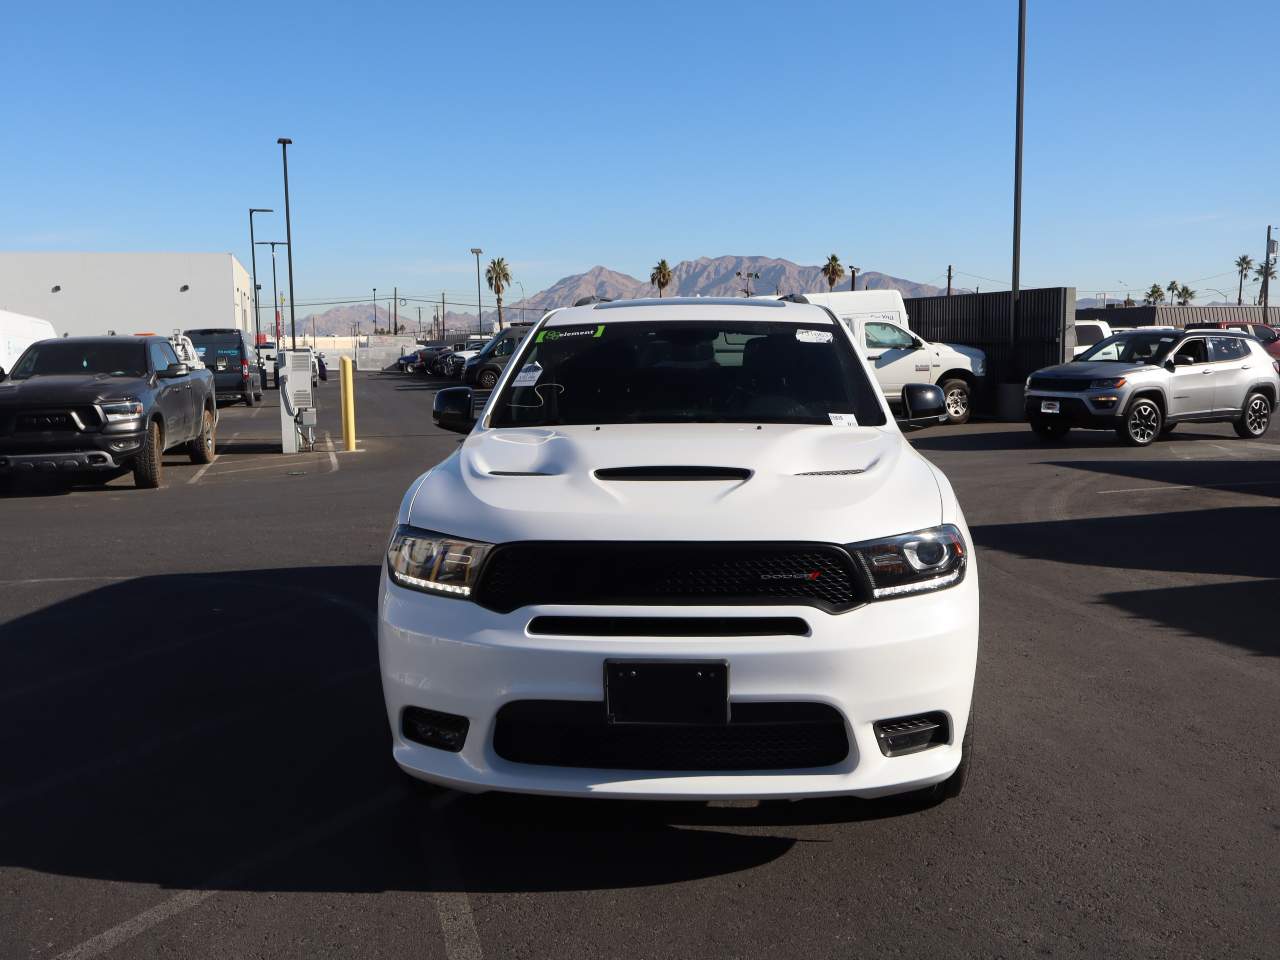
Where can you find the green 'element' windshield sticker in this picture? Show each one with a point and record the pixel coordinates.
(559, 333)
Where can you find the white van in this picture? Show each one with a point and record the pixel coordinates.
(17, 332)
(880, 326)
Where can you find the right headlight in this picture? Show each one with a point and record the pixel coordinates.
(434, 563)
(919, 562)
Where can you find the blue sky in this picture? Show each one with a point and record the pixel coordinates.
(563, 135)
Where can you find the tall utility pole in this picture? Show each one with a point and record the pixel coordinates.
(948, 279)
(253, 255)
(395, 310)
(275, 287)
(288, 234)
(479, 303)
(1266, 271)
(442, 327)
(1017, 186)
(419, 321)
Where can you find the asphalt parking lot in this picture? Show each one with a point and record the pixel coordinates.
(197, 758)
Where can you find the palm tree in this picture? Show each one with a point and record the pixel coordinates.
(660, 276)
(1244, 263)
(1154, 295)
(1185, 295)
(832, 271)
(498, 276)
(1266, 270)
(1173, 289)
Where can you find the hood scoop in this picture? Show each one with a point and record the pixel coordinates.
(675, 473)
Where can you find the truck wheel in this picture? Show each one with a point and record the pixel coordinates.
(250, 398)
(1255, 418)
(148, 465)
(203, 448)
(1141, 424)
(957, 396)
(487, 379)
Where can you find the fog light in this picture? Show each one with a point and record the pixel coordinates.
(444, 731)
(903, 735)
(1105, 401)
(125, 444)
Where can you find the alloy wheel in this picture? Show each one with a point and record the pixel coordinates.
(1258, 416)
(957, 403)
(1144, 423)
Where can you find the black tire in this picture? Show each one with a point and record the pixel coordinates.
(148, 465)
(250, 399)
(257, 395)
(204, 447)
(1141, 424)
(958, 398)
(487, 379)
(1255, 417)
(1047, 430)
(1167, 429)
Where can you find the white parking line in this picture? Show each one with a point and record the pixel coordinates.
(333, 456)
(453, 906)
(1196, 486)
(195, 478)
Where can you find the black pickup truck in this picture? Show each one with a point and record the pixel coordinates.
(103, 405)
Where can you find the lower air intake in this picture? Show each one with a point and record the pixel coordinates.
(904, 735)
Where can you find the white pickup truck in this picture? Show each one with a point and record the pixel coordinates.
(879, 324)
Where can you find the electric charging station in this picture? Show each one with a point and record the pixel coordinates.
(297, 402)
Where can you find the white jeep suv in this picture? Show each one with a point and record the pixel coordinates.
(683, 552)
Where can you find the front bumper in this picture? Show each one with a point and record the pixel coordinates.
(1093, 410)
(53, 452)
(887, 659)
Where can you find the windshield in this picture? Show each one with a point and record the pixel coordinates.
(688, 372)
(1132, 348)
(127, 358)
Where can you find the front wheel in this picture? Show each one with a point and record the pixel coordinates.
(148, 465)
(487, 380)
(958, 399)
(1141, 424)
(1255, 419)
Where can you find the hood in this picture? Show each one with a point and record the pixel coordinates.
(73, 388)
(973, 353)
(1098, 369)
(776, 482)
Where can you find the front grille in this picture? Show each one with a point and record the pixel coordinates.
(45, 420)
(1065, 384)
(602, 572)
(759, 736)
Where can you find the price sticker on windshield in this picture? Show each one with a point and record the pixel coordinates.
(843, 419)
(528, 375)
(813, 336)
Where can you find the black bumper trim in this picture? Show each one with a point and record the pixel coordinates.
(57, 461)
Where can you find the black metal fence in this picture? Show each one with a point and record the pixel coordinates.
(1045, 333)
(1166, 315)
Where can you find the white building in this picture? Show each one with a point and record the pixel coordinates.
(84, 294)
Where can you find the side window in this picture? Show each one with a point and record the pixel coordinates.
(504, 348)
(1087, 334)
(1264, 333)
(1194, 348)
(885, 336)
(158, 359)
(1229, 348)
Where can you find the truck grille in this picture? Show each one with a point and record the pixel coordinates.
(759, 736)
(601, 572)
(1064, 384)
(44, 420)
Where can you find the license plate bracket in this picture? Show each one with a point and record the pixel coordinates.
(666, 691)
(1050, 406)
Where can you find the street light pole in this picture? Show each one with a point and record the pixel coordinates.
(275, 290)
(1266, 277)
(479, 303)
(288, 233)
(253, 256)
(375, 308)
(1017, 188)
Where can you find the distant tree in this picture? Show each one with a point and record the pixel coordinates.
(1265, 269)
(1185, 295)
(660, 276)
(1173, 288)
(832, 272)
(1128, 300)
(498, 276)
(1154, 295)
(1244, 263)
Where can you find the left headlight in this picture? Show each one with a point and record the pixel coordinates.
(433, 562)
(1109, 383)
(918, 562)
(120, 410)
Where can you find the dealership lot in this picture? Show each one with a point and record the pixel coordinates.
(198, 758)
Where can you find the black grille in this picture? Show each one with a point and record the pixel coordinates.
(669, 626)
(1066, 384)
(582, 572)
(40, 420)
(760, 736)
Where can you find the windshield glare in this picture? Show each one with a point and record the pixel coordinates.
(687, 372)
(1132, 348)
(124, 359)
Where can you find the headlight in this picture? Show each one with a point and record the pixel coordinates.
(980, 366)
(433, 562)
(122, 410)
(913, 562)
(1108, 384)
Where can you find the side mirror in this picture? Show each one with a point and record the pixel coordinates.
(173, 370)
(452, 410)
(1184, 360)
(923, 404)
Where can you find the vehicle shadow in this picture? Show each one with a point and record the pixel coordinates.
(232, 734)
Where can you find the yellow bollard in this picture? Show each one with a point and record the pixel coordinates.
(347, 378)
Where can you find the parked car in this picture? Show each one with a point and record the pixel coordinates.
(17, 332)
(1143, 383)
(1089, 332)
(104, 404)
(1267, 335)
(484, 369)
(879, 324)
(704, 563)
(230, 355)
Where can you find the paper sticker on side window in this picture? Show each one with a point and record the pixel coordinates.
(528, 375)
(813, 336)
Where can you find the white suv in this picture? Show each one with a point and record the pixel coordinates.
(684, 552)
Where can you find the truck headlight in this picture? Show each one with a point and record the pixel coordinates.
(121, 410)
(918, 562)
(980, 366)
(433, 562)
